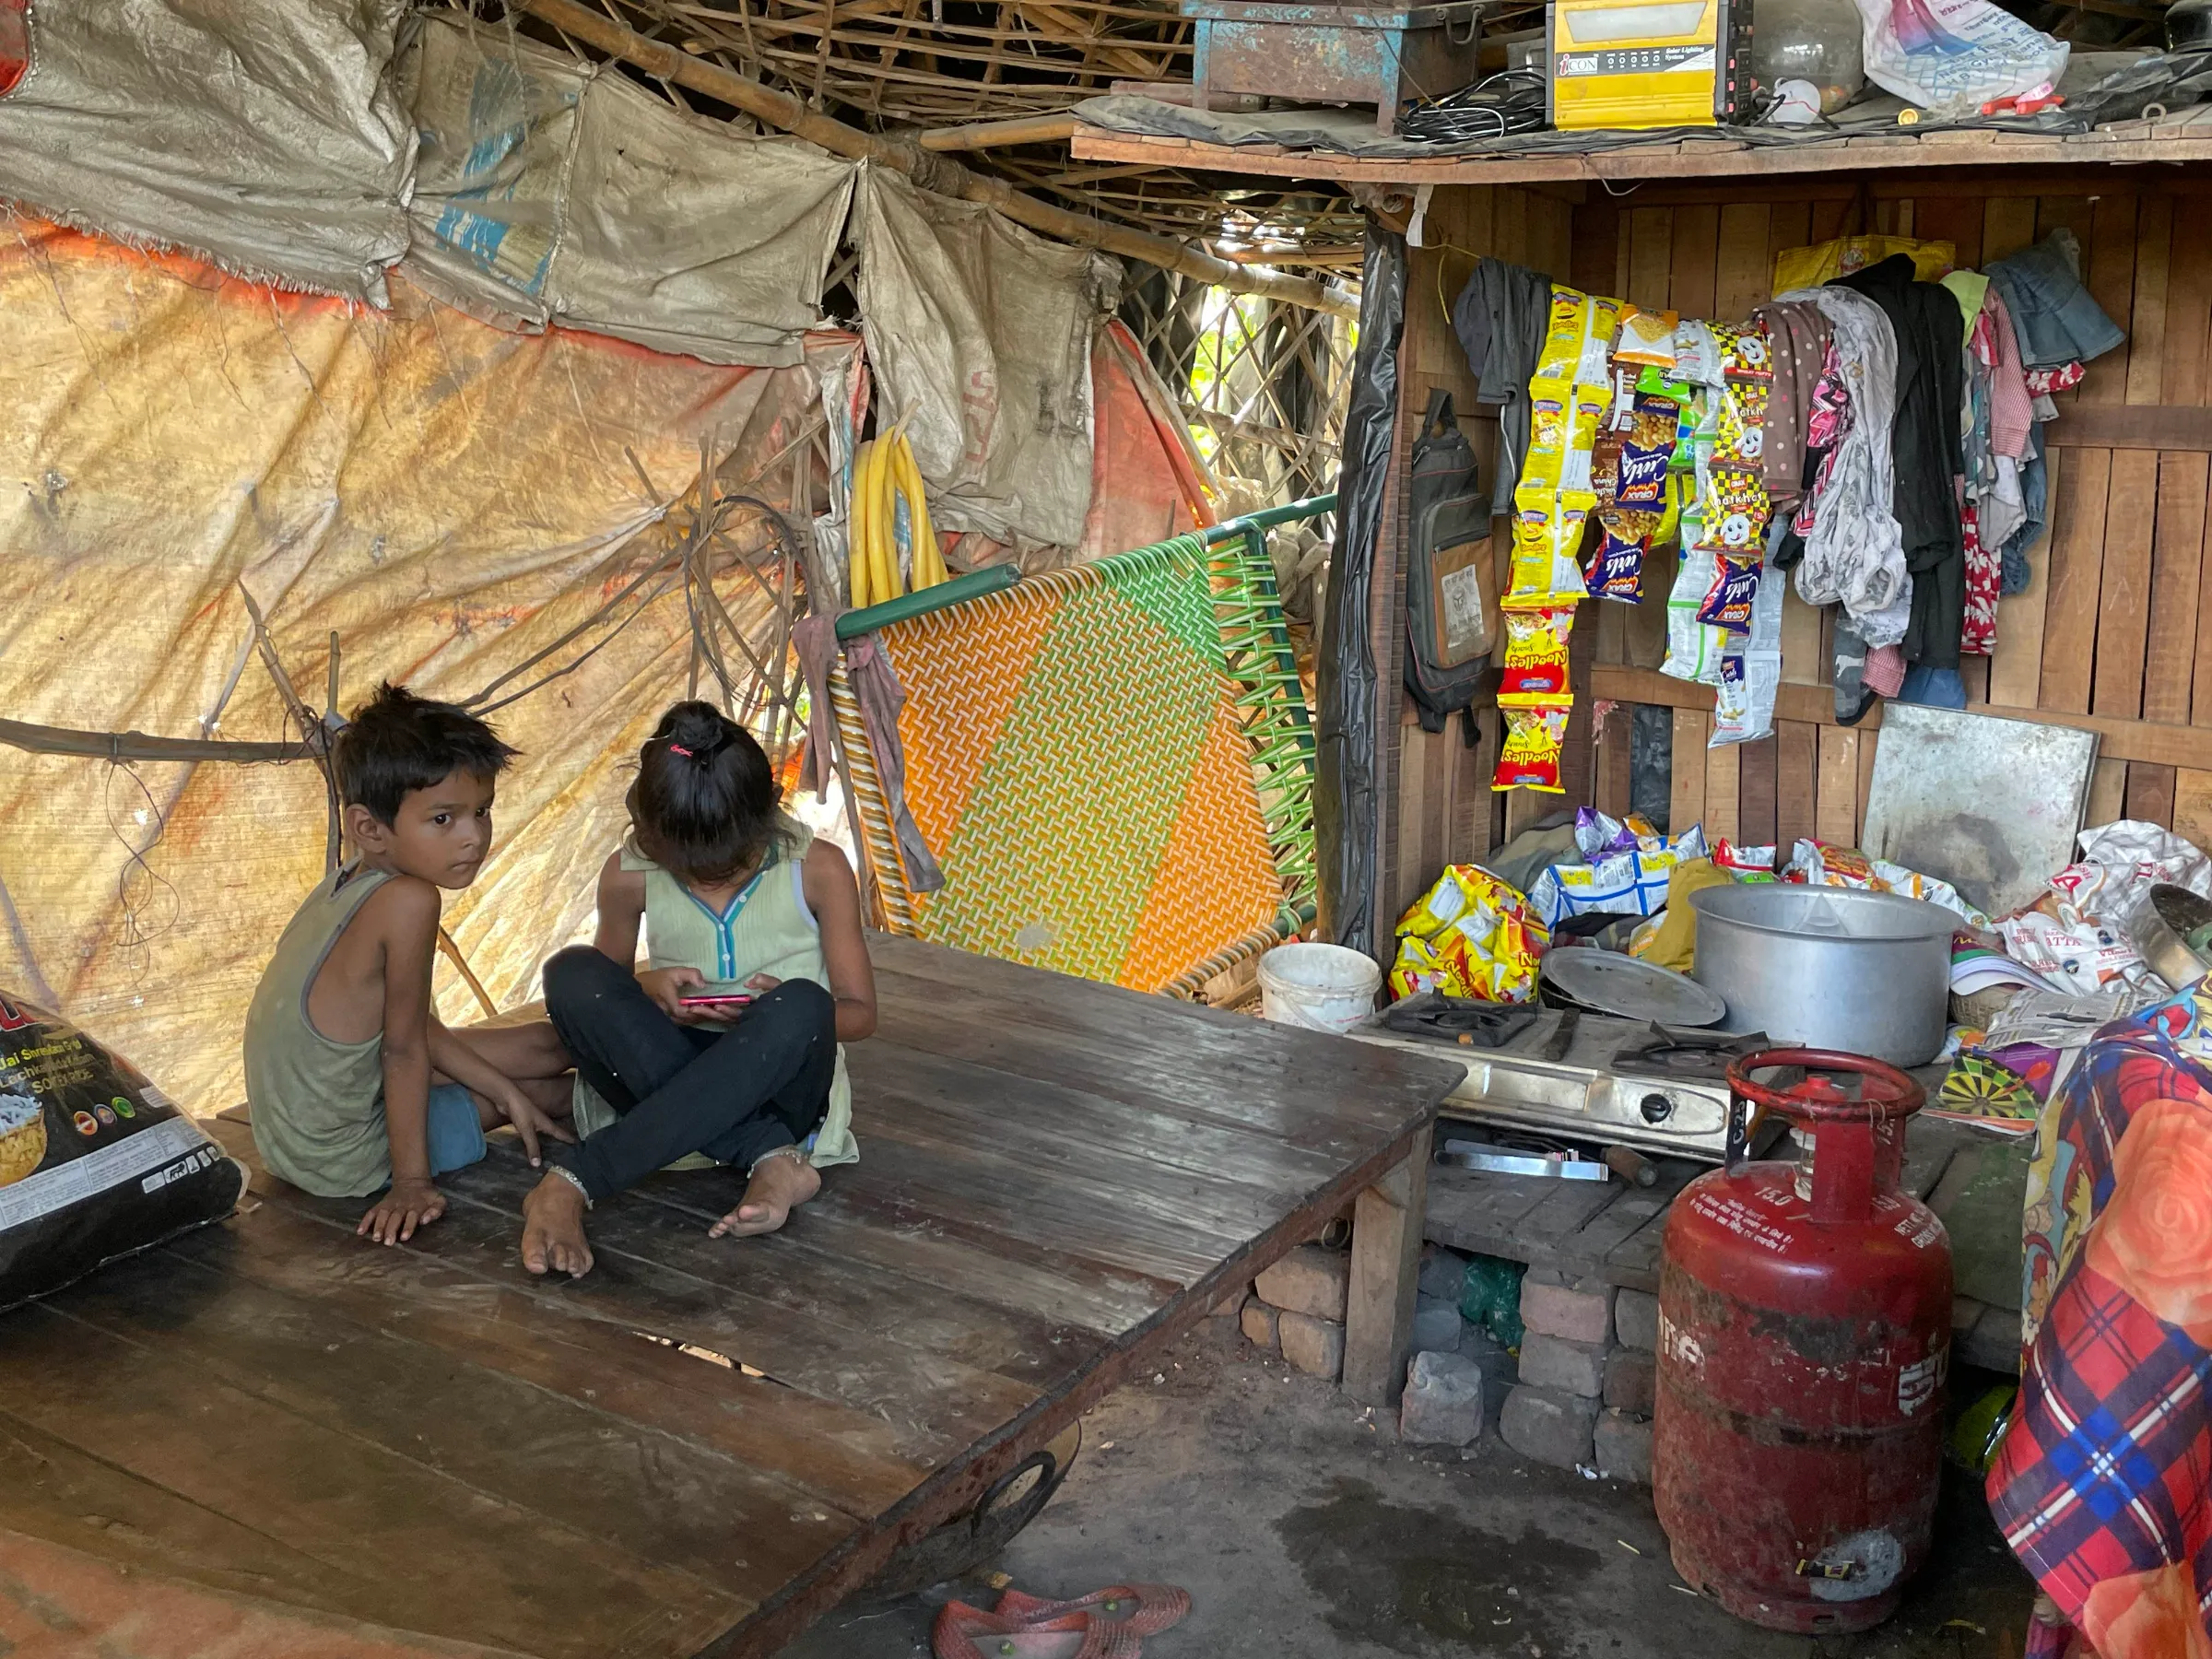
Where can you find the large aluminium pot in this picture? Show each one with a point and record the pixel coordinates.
(1829, 968)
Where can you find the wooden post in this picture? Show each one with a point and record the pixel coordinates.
(1387, 1259)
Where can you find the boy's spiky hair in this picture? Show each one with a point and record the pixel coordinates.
(398, 742)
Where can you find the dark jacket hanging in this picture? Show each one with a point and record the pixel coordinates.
(1351, 693)
(1924, 447)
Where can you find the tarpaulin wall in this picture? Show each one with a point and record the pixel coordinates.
(448, 498)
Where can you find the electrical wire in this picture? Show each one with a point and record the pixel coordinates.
(1499, 105)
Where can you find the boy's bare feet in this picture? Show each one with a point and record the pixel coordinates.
(781, 1182)
(553, 1228)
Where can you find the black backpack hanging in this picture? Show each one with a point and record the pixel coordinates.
(1449, 573)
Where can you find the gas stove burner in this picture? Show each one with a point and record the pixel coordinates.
(1457, 1019)
(1701, 1057)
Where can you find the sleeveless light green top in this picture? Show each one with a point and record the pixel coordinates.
(767, 928)
(318, 1106)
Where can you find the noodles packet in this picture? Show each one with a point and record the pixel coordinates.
(1535, 731)
(1538, 626)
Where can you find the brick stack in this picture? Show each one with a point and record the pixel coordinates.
(1587, 1376)
(1297, 1307)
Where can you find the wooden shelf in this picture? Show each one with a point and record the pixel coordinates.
(2183, 137)
(2118, 740)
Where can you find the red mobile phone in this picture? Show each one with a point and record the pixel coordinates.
(723, 995)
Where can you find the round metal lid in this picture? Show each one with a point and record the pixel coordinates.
(1607, 982)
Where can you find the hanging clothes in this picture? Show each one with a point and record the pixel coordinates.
(1853, 549)
(2058, 319)
(1500, 317)
(2058, 327)
(1799, 334)
(1924, 449)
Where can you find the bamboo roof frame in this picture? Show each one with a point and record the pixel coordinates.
(988, 82)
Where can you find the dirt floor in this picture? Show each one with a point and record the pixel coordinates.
(1303, 1531)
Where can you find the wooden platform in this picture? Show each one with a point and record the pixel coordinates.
(704, 1444)
(2183, 135)
(1613, 1231)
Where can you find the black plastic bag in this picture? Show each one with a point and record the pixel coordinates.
(95, 1161)
(1345, 804)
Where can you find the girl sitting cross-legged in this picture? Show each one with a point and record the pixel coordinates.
(736, 903)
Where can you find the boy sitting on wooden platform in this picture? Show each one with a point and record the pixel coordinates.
(356, 1088)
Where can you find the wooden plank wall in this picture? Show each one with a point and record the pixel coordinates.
(2113, 632)
(1437, 803)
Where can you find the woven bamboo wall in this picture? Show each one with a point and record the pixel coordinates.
(2109, 635)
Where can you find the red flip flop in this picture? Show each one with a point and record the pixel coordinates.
(1141, 1609)
(965, 1632)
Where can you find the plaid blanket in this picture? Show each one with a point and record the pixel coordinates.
(2103, 1486)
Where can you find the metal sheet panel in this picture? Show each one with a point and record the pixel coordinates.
(1989, 805)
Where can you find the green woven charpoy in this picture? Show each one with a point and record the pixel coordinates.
(1111, 765)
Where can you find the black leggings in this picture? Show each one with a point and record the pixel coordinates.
(731, 1094)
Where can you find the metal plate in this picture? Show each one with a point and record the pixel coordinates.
(1612, 983)
(1990, 805)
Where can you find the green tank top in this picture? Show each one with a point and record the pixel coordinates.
(767, 928)
(317, 1106)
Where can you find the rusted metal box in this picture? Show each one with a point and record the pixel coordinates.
(1324, 53)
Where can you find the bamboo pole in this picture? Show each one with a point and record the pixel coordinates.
(999, 135)
(933, 172)
(139, 745)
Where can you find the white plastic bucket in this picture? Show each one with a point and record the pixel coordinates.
(1322, 987)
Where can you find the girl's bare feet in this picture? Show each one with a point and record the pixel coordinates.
(553, 1228)
(781, 1182)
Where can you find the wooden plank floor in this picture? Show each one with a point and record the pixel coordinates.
(1613, 1231)
(704, 1444)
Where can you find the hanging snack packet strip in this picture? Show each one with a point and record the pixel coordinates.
(1586, 414)
(1537, 631)
(1535, 731)
(1646, 338)
(1735, 507)
(1578, 336)
(1746, 353)
(1727, 601)
(1646, 450)
(1562, 429)
(1693, 648)
(1550, 415)
(1617, 568)
(1743, 436)
(1547, 537)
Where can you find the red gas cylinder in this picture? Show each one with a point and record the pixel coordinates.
(1805, 1328)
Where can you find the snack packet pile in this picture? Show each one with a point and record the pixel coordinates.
(1817, 863)
(1470, 935)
